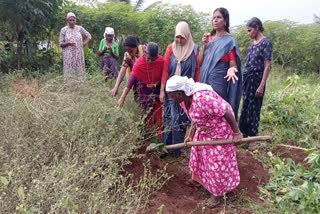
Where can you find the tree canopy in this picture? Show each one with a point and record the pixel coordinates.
(27, 23)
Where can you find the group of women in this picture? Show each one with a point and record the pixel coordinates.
(196, 91)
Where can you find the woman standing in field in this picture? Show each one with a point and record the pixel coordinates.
(214, 167)
(256, 71)
(180, 59)
(109, 52)
(146, 77)
(71, 41)
(133, 51)
(220, 60)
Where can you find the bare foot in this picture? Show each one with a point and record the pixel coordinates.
(213, 201)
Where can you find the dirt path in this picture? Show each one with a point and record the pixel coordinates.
(181, 196)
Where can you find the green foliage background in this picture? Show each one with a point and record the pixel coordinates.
(295, 46)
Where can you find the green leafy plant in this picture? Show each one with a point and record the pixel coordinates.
(296, 187)
(290, 113)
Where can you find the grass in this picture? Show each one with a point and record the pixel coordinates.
(291, 114)
(291, 109)
(63, 148)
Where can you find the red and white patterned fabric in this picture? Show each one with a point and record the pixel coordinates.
(214, 167)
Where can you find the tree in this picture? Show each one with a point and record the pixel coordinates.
(28, 18)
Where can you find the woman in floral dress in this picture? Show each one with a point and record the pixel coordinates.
(72, 39)
(214, 167)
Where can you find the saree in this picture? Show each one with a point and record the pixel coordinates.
(213, 70)
(146, 77)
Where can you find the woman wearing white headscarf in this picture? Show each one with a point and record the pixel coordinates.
(71, 41)
(214, 167)
(180, 59)
(109, 52)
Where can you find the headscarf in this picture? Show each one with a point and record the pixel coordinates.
(108, 31)
(188, 86)
(182, 52)
(71, 14)
(153, 49)
(131, 42)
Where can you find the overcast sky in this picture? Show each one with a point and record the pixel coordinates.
(300, 11)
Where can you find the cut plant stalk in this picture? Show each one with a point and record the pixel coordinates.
(257, 139)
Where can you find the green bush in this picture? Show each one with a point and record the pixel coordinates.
(91, 61)
(291, 109)
(45, 61)
(7, 57)
(294, 46)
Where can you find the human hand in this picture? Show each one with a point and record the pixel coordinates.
(114, 91)
(120, 102)
(186, 140)
(162, 96)
(237, 137)
(231, 75)
(190, 134)
(205, 39)
(107, 47)
(260, 90)
(72, 43)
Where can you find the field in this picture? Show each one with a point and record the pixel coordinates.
(69, 149)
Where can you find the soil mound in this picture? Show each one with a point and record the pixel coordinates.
(181, 195)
